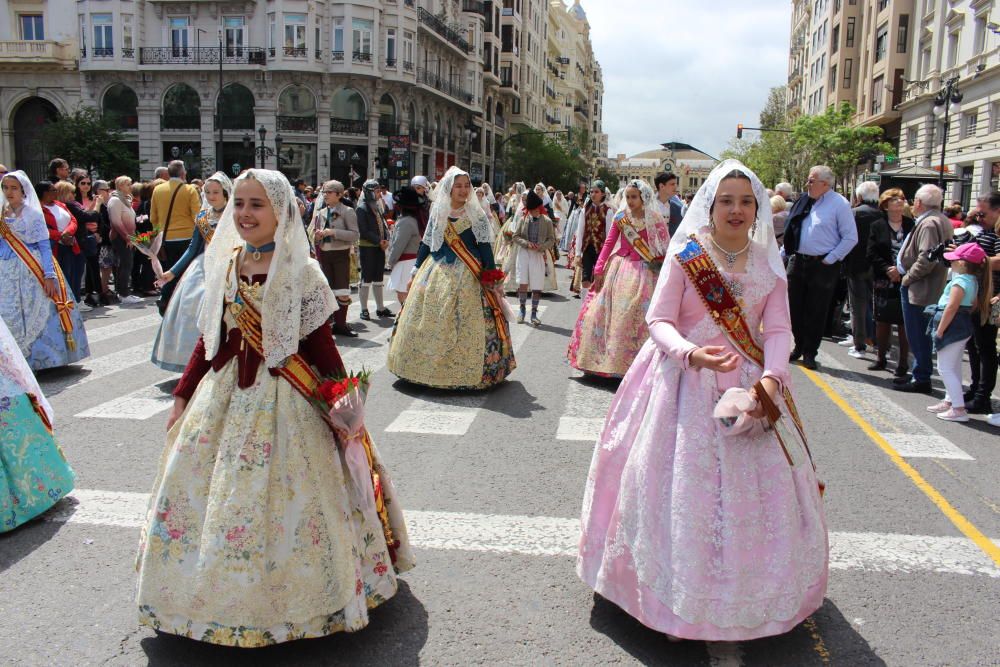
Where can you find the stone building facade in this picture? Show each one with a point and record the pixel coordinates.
(390, 88)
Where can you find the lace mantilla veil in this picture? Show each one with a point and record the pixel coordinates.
(698, 218)
(434, 235)
(296, 300)
(657, 232)
(30, 225)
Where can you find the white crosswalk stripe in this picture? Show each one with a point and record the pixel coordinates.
(909, 436)
(121, 327)
(97, 368)
(558, 537)
(586, 407)
(139, 404)
(452, 414)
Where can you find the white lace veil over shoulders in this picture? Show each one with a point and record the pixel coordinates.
(698, 217)
(434, 234)
(657, 231)
(30, 224)
(296, 299)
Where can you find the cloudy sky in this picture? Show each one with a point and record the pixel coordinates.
(686, 70)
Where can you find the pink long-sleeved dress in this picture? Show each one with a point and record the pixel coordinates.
(695, 533)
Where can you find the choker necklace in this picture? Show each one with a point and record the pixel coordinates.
(256, 252)
(731, 257)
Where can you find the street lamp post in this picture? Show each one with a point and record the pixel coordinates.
(947, 101)
(262, 151)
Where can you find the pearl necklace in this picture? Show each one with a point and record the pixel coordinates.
(731, 257)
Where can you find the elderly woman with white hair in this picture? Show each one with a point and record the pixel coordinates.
(859, 269)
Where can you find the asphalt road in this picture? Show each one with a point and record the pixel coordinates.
(492, 484)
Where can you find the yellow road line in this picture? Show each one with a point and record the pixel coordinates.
(963, 524)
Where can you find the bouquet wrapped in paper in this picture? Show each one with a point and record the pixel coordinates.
(148, 243)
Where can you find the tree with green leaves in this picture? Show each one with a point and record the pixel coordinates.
(610, 178)
(86, 139)
(832, 138)
(533, 157)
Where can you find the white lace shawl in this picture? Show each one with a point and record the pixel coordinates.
(296, 299)
(29, 224)
(657, 230)
(434, 234)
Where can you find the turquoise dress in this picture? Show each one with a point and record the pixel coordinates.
(34, 474)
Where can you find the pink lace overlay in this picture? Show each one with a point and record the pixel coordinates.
(692, 532)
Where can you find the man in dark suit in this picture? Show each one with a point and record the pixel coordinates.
(859, 269)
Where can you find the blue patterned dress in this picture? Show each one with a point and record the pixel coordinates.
(34, 474)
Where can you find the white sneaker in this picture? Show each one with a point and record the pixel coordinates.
(857, 354)
(994, 419)
(954, 415)
(131, 299)
(84, 307)
(847, 342)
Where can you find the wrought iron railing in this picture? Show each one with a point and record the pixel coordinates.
(446, 87)
(438, 26)
(204, 55)
(362, 56)
(348, 126)
(500, 121)
(297, 123)
(408, 65)
(390, 62)
(474, 6)
(180, 122)
(338, 56)
(128, 53)
(296, 51)
(104, 52)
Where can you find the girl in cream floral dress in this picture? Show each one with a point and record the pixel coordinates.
(257, 532)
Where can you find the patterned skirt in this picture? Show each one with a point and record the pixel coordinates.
(178, 334)
(446, 335)
(34, 474)
(256, 534)
(611, 327)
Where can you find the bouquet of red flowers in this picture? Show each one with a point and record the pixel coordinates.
(490, 276)
(148, 243)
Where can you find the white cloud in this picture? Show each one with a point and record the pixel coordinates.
(686, 70)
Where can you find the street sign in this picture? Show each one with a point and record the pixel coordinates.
(399, 157)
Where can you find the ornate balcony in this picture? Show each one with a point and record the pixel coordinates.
(362, 57)
(338, 56)
(446, 87)
(37, 54)
(347, 126)
(296, 51)
(205, 55)
(441, 29)
(297, 123)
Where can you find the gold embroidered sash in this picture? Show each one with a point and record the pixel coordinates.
(64, 304)
(204, 226)
(634, 238)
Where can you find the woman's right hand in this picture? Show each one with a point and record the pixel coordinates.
(175, 412)
(715, 358)
(51, 288)
(598, 283)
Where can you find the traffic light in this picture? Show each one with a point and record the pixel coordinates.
(739, 131)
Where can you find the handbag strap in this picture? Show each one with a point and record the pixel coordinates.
(170, 210)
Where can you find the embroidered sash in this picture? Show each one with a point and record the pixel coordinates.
(204, 226)
(631, 234)
(63, 303)
(306, 381)
(728, 314)
(458, 246)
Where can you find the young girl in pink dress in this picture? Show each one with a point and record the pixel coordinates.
(611, 328)
(698, 529)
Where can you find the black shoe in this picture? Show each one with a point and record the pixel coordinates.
(385, 312)
(91, 300)
(795, 355)
(345, 331)
(969, 396)
(979, 407)
(877, 366)
(901, 379)
(365, 315)
(810, 363)
(914, 387)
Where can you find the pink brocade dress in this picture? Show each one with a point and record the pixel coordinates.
(694, 533)
(611, 327)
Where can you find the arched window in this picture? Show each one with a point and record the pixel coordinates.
(28, 122)
(181, 108)
(349, 115)
(296, 110)
(235, 108)
(119, 106)
(387, 124)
